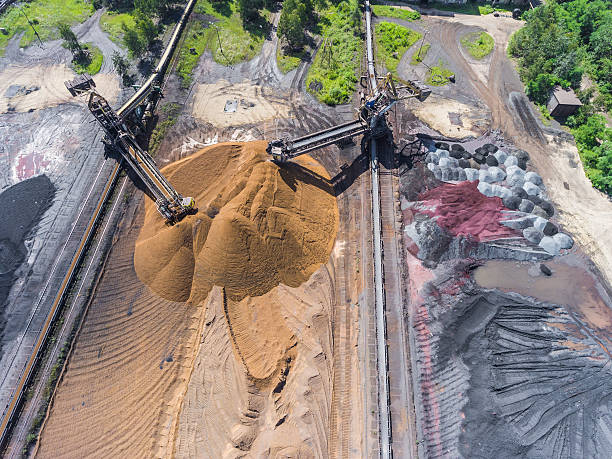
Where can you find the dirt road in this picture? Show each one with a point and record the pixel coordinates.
(582, 210)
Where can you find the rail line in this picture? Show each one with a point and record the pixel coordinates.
(384, 416)
(17, 398)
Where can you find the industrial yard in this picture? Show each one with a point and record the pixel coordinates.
(225, 266)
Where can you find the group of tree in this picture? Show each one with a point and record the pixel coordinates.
(562, 42)
(295, 18)
(72, 43)
(138, 38)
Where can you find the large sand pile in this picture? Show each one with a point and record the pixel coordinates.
(259, 224)
(248, 368)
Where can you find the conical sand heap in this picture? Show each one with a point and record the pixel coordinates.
(259, 224)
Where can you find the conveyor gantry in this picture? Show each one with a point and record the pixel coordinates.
(170, 204)
(371, 120)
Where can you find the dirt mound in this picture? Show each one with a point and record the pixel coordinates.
(259, 224)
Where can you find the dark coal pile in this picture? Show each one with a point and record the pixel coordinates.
(21, 208)
(511, 377)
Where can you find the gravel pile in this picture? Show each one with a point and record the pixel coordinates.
(503, 174)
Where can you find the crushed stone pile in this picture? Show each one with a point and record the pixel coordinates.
(503, 174)
(259, 224)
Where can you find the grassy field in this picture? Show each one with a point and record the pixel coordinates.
(237, 44)
(95, 62)
(111, 23)
(333, 73)
(470, 8)
(417, 57)
(391, 12)
(438, 75)
(478, 44)
(392, 41)
(46, 15)
(286, 63)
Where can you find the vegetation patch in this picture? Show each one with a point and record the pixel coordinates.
(392, 12)
(478, 44)
(92, 64)
(227, 38)
(438, 75)
(168, 117)
(419, 54)
(559, 44)
(112, 23)
(470, 7)
(45, 16)
(333, 74)
(392, 41)
(287, 61)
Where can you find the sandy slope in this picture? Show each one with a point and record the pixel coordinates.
(226, 371)
(229, 412)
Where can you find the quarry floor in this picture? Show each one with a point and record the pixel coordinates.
(485, 328)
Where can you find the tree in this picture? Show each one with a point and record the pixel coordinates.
(120, 63)
(249, 9)
(70, 39)
(147, 30)
(132, 41)
(292, 23)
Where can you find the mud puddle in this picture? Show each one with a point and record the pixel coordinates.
(569, 285)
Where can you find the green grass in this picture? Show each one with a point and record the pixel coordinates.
(469, 8)
(286, 63)
(168, 118)
(399, 13)
(95, 62)
(438, 75)
(46, 16)
(112, 22)
(392, 41)
(417, 57)
(478, 44)
(335, 66)
(544, 114)
(237, 44)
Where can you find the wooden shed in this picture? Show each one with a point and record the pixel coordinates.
(562, 102)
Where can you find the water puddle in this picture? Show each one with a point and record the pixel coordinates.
(569, 285)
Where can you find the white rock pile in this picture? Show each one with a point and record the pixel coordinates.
(503, 174)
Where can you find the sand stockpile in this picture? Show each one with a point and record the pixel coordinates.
(246, 103)
(32, 88)
(259, 224)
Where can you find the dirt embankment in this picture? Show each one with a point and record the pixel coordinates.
(209, 333)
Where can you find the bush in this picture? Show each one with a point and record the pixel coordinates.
(399, 13)
(478, 44)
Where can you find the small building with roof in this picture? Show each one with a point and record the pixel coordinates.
(562, 102)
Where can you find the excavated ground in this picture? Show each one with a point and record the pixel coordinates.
(214, 333)
(507, 358)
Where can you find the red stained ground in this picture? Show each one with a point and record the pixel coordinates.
(465, 211)
(29, 165)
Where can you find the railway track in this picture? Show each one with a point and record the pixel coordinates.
(12, 411)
